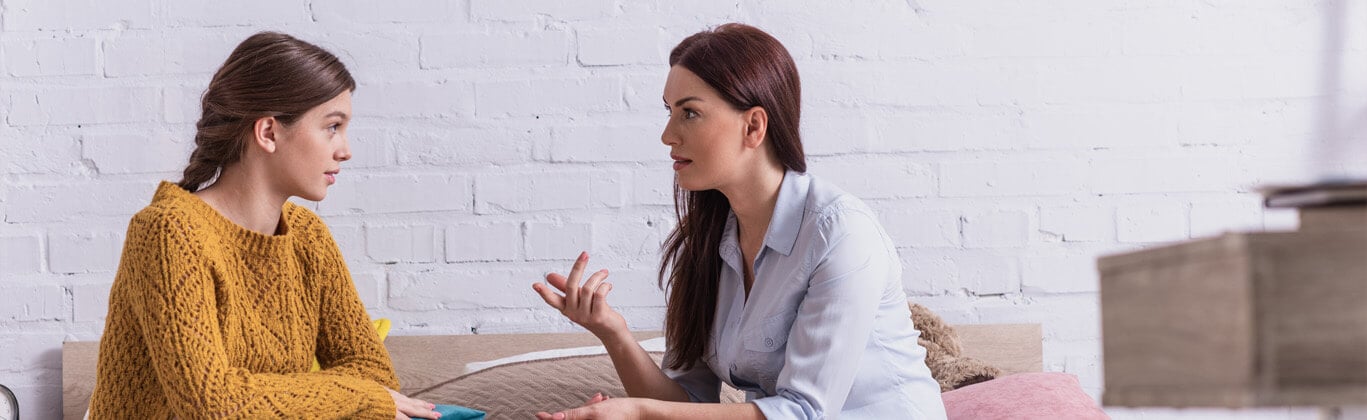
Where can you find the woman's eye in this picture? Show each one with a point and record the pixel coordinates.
(688, 115)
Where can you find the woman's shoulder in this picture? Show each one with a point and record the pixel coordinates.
(830, 206)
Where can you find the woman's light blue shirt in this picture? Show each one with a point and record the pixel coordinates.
(826, 332)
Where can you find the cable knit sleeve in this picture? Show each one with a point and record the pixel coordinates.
(176, 309)
(347, 342)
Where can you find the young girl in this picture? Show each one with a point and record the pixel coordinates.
(226, 291)
(780, 284)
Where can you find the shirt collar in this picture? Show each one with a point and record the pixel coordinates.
(783, 224)
(730, 246)
(788, 211)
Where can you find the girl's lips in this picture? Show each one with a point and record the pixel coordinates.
(332, 178)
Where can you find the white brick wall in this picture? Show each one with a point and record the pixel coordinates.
(23, 254)
(405, 243)
(477, 49)
(84, 252)
(1004, 144)
(471, 242)
(75, 106)
(51, 57)
(556, 240)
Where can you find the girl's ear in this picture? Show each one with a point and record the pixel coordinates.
(756, 126)
(265, 132)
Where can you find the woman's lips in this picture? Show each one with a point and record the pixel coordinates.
(680, 164)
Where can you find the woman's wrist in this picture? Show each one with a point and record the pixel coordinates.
(647, 408)
(616, 337)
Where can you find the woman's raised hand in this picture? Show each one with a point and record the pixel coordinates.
(586, 304)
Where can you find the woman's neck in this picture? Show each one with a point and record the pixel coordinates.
(753, 200)
(244, 198)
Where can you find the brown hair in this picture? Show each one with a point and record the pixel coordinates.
(269, 74)
(749, 68)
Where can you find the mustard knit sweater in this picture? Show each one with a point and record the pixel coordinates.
(210, 320)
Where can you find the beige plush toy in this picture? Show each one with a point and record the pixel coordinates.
(944, 356)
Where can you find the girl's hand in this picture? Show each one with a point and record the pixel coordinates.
(586, 304)
(406, 408)
(599, 407)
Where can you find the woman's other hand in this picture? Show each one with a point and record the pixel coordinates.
(599, 407)
(586, 304)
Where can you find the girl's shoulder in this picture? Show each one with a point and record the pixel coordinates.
(303, 220)
(169, 215)
(306, 226)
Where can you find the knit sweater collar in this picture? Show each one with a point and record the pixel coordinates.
(173, 196)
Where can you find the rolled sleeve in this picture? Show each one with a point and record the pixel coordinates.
(834, 322)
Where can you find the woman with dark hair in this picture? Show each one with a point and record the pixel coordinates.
(226, 291)
(780, 284)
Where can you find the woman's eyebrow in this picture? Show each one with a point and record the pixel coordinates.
(681, 101)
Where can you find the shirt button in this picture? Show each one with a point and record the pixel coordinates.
(769, 342)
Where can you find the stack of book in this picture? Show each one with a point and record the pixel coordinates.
(1322, 194)
(1325, 205)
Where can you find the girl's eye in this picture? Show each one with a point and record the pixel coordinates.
(333, 128)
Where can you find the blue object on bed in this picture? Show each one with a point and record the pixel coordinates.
(455, 412)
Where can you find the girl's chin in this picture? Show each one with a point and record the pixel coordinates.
(314, 195)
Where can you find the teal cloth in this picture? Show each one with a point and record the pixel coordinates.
(455, 412)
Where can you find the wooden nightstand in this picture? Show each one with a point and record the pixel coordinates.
(1242, 319)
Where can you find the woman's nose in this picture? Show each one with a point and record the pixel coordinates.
(667, 136)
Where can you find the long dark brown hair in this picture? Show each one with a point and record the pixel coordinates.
(269, 74)
(749, 68)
